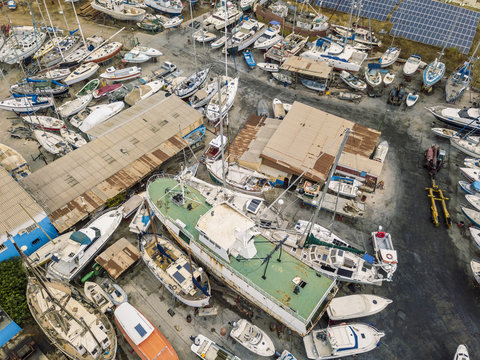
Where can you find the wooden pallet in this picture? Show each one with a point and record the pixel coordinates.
(87, 11)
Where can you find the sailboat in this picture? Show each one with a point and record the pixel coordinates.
(216, 111)
(26, 104)
(191, 84)
(53, 143)
(117, 9)
(44, 122)
(13, 162)
(459, 81)
(31, 87)
(390, 56)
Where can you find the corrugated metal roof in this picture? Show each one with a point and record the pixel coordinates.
(12, 216)
(118, 257)
(306, 66)
(80, 182)
(245, 136)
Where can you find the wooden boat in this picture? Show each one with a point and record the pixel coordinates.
(104, 53)
(191, 84)
(135, 57)
(373, 77)
(203, 36)
(269, 67)
(81, 73)
(283, 78)
(182, 278)
(105, 90)
(472, 215)
(114, 74)
(44, 122)
(12, 161)
(53, 74)
(470, 188)
(344, 186)
(388, 78)
(249, 59)
(390, 56)
(444, 132)
(68, 320)
(89, 88)
(252, 337)
(95, 294)
(215, 110)
(119, 10)
(143, 92)
(350, 96)
(26, 104)
(206, 349)
(353, 81)
(53, 143)
(465, 146)
(412, 65)
(73, 138)
(411, 99)
(140, 221)
(74, 106)
(145, 339)
(461, 353)
(278, 109)
(475, 234)
(356, 306)
(475, 266)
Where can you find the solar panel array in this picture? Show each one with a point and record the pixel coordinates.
(374, 9)
(430, 22)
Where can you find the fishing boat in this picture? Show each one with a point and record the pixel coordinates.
(135, 57)
(373, 77)
(117, 9)
(73, 138)
(203, 36)
(105, 90)
(356, 306)
(252, 337)
(180, 276)
(390, 56)
(114, 74)
(411, 65)
(461, 353)
(349, 96)
(269, 67)
(278, 109)
(170, 7)
(444, 132)
(216, 111)
(249, 59)
(388, 78)
(433, 73)
(12, 161)
(341, 341)
(81, 73)
(472, 215)
(89, 88)
(70, 322)
(206, 349)
(470, 188)
(31, 87)
(471, 174)
(104, 53)
(344, 186)
(143, 92)
(53, 74)
(467, 147)
(98, 296)
(233, 248)
(283, 78)
(313, 85)
(215, 147)
(222, 17)
(169, 23)
(464, 118)
(411, 99)
(144, 338)
(26, 104)
(116, 294)
(384, 251)
(289, 46)
(44, 122)
(98, 114)
(245, 35)
(269, 38)
(83, 245)
(353, 81)
(458, 82)
(149, 51)
(74, 106)
(150, 23)
(53, 143)
(191, 84)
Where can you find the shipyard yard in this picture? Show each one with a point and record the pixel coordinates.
(435, 295)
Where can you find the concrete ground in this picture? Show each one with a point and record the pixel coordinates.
(435, 301)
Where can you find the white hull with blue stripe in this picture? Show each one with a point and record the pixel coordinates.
(467, 117)
(472, 215)
(433, 73)
(350, 59)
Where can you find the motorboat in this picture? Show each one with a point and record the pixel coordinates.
(12, 4)
(98, 296)
(472, 162)
(411, 99)
(32, 87)
(353, 81)
(474, 200)
(106, 90)
(433, 73)
(373, 77)
(246, 5)
(384, 251)
(187, 282)
(289, 46)
(73, 138)
(44, 122)
(286, 355)
(135, 57)
(89, 88)
(12, 161)
(191, 84)
(381, 151)
(472, 215)
(140, 221)
(472, 174)
(444, 132)
(245, 35)
(249, 59)
(170, 7)
(344, 186)
(458, 82)
(116, 293)
(268, 67)
(279, 111)
(390, 56)
(143, 92)
(150, 52)
(470, 188)
(388, 78)
(70, 321)
(104, 53)
(144, 338)
(461, 353)
(252, 337)
(74, 106)
(53, 143)
(114, 74)
(81, 73)
(131, 205)
(356, 306)
(411, 65)
(83, 245)
(464, 118)
(358, 34)
(203, 36)
(349, 96)
(467, 147)
(218, 108)
(222, 17)
(475, 234)
(53, 74)
(314, 85)
(98, 114)
(269, 38)
(169, 23)
(215, 146)
(349, 59)
(318, 24)
(119, 10)
(283, 78)
(206, 349)
(475, 266)
(26, 104)
(217, 44)
(342, 340)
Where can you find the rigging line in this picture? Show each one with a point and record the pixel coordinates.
(53, 29)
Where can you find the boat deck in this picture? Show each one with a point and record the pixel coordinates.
(279, 283)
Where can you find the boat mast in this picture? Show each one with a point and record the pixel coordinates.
(191, 26)
(449, 34)
(313, 218)
(53, 29)
(79, 26)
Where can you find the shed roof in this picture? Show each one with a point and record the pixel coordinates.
(80, 182)
(306, 66)
(118, 257)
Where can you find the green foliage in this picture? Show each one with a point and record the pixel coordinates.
(13, 285)
(116, 200)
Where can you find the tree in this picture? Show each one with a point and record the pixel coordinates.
(13, 286)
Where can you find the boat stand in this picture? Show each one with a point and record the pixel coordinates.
(436, 194)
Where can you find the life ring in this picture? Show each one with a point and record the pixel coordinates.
(389, 256)
(380, 234)
(174, 287)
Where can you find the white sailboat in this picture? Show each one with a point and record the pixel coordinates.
(356, 306)
(81, 73)
(26, 104)
(191, 84)
(136, 57)
(74, 106)
(143, 92)
(114, 74)
(467, 147)
(461, 353)
(252, 337)
(73, 138)
(216, 111)
(390, 56)
(53, 143)
(475, 234)
(44, 122)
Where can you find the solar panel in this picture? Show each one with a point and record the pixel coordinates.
(430, 22)
(373, 9)
(140, 330)
(179, 277)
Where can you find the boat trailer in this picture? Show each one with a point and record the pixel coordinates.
(436, 194)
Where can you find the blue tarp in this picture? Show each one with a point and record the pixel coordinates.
(80, 237)
(8, 332)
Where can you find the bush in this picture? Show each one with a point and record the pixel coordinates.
(13, 285)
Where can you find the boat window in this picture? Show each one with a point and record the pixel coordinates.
(3, 247)
(362, 335)
(36, 241)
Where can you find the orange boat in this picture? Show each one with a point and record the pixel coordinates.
(147, 341)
